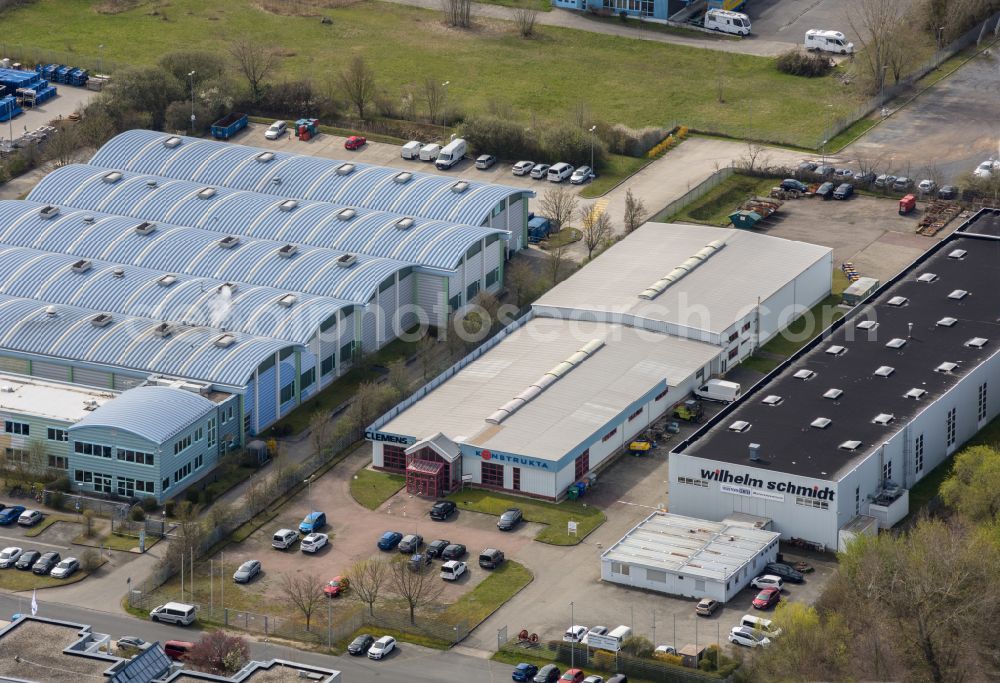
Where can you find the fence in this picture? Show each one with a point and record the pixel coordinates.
(695, 193)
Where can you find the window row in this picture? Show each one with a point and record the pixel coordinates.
(692, 482)
(19, 428)
(182, 444)
(813, 503)
(138, 457)
(84, 448)
(182, 472)
(54, 434)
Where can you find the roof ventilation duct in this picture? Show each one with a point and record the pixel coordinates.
(702, 255)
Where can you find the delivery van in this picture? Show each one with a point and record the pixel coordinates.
(620, 633)
(429, 152)
(719, 390)
(559, 172)
(451, 154)
(174, 613)
(411, 150)
(724, 21)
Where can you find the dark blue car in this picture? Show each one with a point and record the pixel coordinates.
(10, 515)
(524, 672)
(389, 540)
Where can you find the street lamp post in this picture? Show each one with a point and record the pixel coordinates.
(572, 645)
(191, 78)
(592, 129)
(881, 95)
(829, 126)
(100, 58)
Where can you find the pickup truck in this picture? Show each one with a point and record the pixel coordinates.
(229, 125)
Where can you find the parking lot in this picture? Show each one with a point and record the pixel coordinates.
(68, 100)
(788, 20)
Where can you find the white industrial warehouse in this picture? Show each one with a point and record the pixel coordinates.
(830, 443)
(598, 359)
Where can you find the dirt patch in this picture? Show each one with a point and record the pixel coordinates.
(117, 6)
(302, 8)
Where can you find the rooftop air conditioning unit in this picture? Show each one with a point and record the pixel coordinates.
(151, 184)
(225, 341)
(101, 320)
(172, 141)
(167, 280)
(288, 300)
(118, 272)
(112, 177)
(90, 404)
(88, 219)
(48, 212)
(347, 260)
(288, 205)
(231, 286)
(206, 193)
(405, 223)
(345, 169)
(82, 266)
(265, 157)
(288, 251)
(460, 187)
(162, 330)
(145, 228)
(51, 312)
(229, 241)
(403, 177)
(347, 214)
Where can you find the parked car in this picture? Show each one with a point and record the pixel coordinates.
(843, 173)
(455, 551)
(523, 168)
(360, 645)
(740, 635)
(419, 561)
(825, 190)
(706, 607)
(389, 540)
(767, 598)
(313, 542)
(787, 573)
(436, 547)
(574, 634)
(843, 191)
(559, 172)
(485, 161)
(491, 558)
(547, 674)
(594, 678)
(885, 180)
(768, 581)
(66, 568)
(336, 586)
(595, 631)
(247, 571)
(276, 130)
(443, 509)
(902, 184)
(524, 672)
(355, 142)
(509, 519)
(131, 642)
(664, 650)
(29, 518)
(27, 560)
(314, 521)
(948, 192)
(284, 538)
(760, 625)
(410, 543)
(573, 676)
(10, 515)
(581, 175)
(177, 650)
(986, 168)
(45, 563)
(825, 170)
(381, 647)
(793, 185)
(452, 569)
(926, 186)
(9, 556)
(808, 166)
(539, 171)
(866, 178)
(618, 678)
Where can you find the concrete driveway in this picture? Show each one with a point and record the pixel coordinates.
(788, 20)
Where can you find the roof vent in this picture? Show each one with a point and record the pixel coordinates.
(151, 184)
(739, 426)
(112, 177)
(225, 341)
(957, 254)
(958, 294)
(404, 223)
(947, 322)
(347, 260)
(835, 350)
(915, 393)
(7, 388)
(772, 400)
(347, 214)
(287, 251)
(51, 312)
(460, 187)
(821, 422)
(167, 280)
(162, 330)
(172, 141)
(976, 343)
(927, 277)
(265, 157)
(82, 266)
(403, 177)
(346, 168)
(118, 272)
(231, 286)
(145, 228)
(804, 374)
(276, 181)
(898, 301)
(206, 193)
(896, 343)
(867, 325)
(755, 452)
(849, 446)
(833, 394)
(48, 212)
(101, 320)
(946, 368)
(90, 404)
(288, 300)
(884, 418)
(88, 219)
(288, 205)
(229, 241)
(885, 370)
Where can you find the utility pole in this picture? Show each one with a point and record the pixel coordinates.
(191, 78)
(572, 645)
(592, 129)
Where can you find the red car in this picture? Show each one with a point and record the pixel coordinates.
(767, 598)
(336, 586)
(573, 675)
(355, 142)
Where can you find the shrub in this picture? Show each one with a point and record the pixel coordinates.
(90, 560)
(799, 63)
(572, 145)
(604, 660)
(621, 139)
(137, 514)
(57, 500)
(60, 484)
(168, 508)
(504, 138)
(149, 503)
(638, 646)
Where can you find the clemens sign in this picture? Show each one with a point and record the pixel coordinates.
(747, 485)
(507, 459)
(371, 435)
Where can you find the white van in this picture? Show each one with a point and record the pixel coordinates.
(451, 154)
(429, 152)
(411, 150)
(725, 21)
(828, 41)
(174, 613)
(284, 538)
(620, 633)
(719, 390)
(559, 172)
(765, 626)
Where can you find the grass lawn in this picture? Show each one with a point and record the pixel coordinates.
(49, 520)
(416, 639)
(540, 5)
(371, 488)
(852, 132)
(614, 172)
(496, 589)
(715, 206)
(786, 108)
(555, 515)
(17, 580)
(115, 541)
(564, 236)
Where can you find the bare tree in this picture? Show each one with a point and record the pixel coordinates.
(399, 378)
(524, 20)
(219, 653)
(319, 433)
(522, 280)
(754, 156)
(65, 146)
(557, 264)
(559, 204)
(358, 82)
(255, 61)
(435, 95)
(879, 27)
(596, 228)
(305, 591)
(416, 588)
(458, 12)
(635, 212)
(368, 579)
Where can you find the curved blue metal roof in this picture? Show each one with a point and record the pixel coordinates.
(303, 177)
(153, 413)
(128, 290)
(428, 242)
(67, 332)
(188, 250)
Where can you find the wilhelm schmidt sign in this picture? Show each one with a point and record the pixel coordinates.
(746, 481)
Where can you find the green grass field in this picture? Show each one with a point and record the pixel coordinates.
(653, 83)
(617, 169)
(554, 515)
(716, 205)
(371, 488)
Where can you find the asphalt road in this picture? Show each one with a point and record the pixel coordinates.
(408, 663)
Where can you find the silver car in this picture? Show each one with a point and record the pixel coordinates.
(540, 171)
(581, 175)
(277, 129)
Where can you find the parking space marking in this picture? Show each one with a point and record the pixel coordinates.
(24, 542)
(598, 208)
